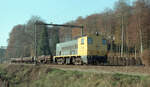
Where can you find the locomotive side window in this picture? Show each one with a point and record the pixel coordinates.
(82, 41)
(59, 52)
(90, 41)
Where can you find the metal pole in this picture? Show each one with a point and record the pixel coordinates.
(122, 37)
(35, 42)
(81, 31)
(71, 26)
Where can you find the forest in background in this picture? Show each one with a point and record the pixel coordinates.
(126, 27)
(2, 52)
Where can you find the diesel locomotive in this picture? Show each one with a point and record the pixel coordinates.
(89, 49)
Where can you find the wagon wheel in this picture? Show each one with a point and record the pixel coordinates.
(78, 61)
(60, 61)
(73, 61)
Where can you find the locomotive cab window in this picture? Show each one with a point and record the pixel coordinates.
(82, 41)
(103, 41)
(90, 41)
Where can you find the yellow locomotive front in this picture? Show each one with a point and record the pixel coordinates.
(90, 49)
(92, 45)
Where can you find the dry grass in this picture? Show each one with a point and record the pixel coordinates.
(139, 70)
(75, 76)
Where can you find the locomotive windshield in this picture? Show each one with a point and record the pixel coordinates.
(90, 41)
(82, 41)
(104, 41)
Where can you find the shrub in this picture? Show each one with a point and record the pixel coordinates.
(146, 57)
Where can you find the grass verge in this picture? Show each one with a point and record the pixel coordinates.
(39, 76)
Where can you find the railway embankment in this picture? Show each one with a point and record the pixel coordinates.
(12, 75)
